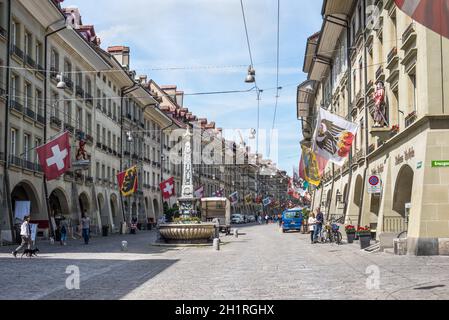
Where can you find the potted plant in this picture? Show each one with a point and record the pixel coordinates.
(364, 234)
(350, 232)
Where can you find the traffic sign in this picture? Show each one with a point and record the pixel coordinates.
(374, 185)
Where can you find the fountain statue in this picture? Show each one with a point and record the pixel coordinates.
(188, 228)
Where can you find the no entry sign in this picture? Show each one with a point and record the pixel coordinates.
(374, 185)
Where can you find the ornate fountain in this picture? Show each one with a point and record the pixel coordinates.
(187, 230)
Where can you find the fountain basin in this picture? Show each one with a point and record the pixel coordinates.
(187, 233)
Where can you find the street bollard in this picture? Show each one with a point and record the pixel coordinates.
(216, 244)
(236, 233)
(124, 245)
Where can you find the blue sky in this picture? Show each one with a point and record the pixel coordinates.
(179, 33)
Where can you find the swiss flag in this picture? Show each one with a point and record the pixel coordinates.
(168, 188)
(54, 157)
(433, 14)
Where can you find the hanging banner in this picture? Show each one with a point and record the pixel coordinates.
(311, 167)
(127, 181)
(333, 137)
(266, 202)
(234, 198)
(433, 14)
(249, 199)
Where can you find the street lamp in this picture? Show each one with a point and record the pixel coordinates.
(250, 78)
(61, 84)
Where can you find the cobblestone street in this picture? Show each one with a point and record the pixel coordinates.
(261, 263)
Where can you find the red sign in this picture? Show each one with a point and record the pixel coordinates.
(168, 188)
(54, 157)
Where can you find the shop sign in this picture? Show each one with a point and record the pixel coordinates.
(407, 155)
(440, 163)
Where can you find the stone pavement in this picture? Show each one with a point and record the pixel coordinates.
(262, 263)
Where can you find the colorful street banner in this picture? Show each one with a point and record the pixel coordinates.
(199, 193)
(234, 198)
(168, 188)
(266, 202)
(333, 137)
(218, 193)
(433, 14)
(249, 199)
(311, 167)
(127, 181)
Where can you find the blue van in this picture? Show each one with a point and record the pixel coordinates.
(292, 219)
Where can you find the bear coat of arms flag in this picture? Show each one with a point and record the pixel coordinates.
(54, 157)
(333, 137)
(127, 181)
(311, 167)
(433, 14)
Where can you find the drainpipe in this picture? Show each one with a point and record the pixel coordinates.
(348, 61)
(123, 91)
(365, 59)
(6, 146)
(47, 35)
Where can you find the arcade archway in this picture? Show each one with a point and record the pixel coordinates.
(24, 191)
(59, 205)
(403, 190)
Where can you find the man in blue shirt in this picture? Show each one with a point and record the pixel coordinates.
(319, 224)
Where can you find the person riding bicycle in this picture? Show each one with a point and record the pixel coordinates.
(318, 224)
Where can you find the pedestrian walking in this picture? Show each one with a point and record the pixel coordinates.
(280, 219)
(266, 219)
(85, 223)
(318, 224)
(63, 230)
(25, 234)
(311, 222)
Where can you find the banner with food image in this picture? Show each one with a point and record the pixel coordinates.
(312, 166)
(333, 137)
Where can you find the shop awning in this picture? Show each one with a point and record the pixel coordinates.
(312, 42)
(304, 98)
(332, 7)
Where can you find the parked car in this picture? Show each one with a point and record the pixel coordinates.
(250, 218)
(292, 219)
(237, 218)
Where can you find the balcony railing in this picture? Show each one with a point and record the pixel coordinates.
(28, 165)
(89, 99)
(30, 61)
(15, 161)
(3, 32)
(408, 32)
(410, 119)
(379, 72)
(40, 70)
(68, 83)
(68, 127)
(99, 106)
(16, 105)
(17, 51)
(55, 121)
(30, 113)
(392, 54)
(79, 91)
(40, 119)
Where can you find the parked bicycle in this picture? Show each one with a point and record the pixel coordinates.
(330, 233)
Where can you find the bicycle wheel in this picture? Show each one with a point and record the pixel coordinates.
(338, 237)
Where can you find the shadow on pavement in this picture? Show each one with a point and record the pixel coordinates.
(45, 279)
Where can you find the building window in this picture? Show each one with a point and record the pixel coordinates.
(37, 143)
(28, 96)
(98, 133)
(38, 102)
(79, 118)
(39, 54)
(14, 87)
(28, 45)
(68, 112)
(26, 147)
(88, 124)
(55, 105)
(97, 170)
(15, 33)
(13, 144)
(68, 69)
(54, 62)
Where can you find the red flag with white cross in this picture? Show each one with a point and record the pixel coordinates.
(54, 157)
(433, 14)
(168, 188)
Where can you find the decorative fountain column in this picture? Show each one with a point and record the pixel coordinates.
(187, 230)
(187, 202)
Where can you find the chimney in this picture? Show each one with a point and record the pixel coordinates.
(121, 53)
(143, 79)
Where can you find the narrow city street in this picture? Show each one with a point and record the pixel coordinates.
(262, 263)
